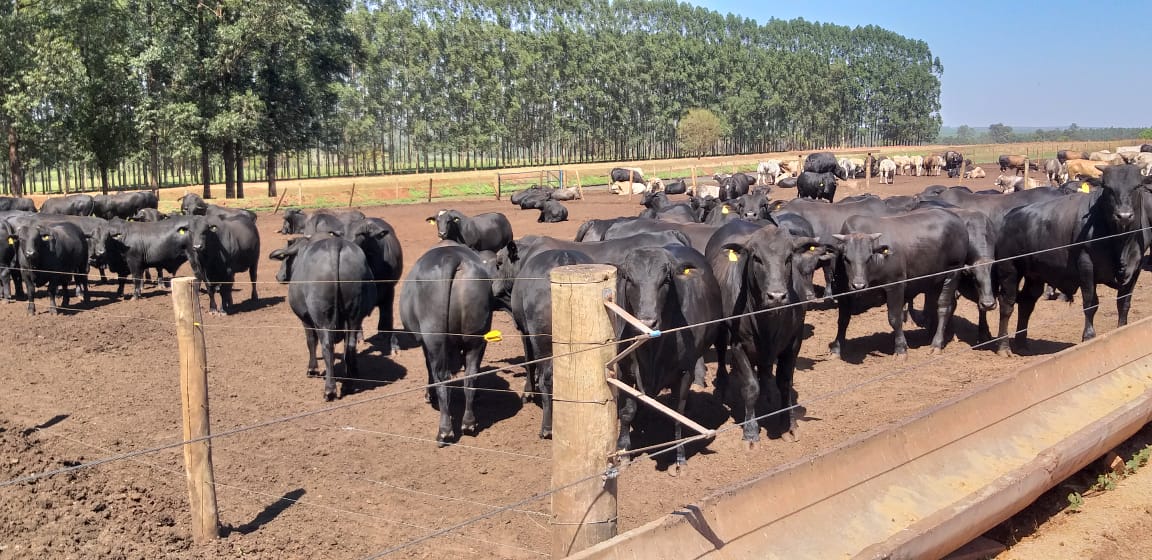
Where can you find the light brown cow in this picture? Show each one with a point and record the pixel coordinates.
(1081, 168)
(933, 163)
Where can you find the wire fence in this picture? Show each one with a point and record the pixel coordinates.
(517, 505)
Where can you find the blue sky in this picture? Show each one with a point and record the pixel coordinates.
(1086, 62)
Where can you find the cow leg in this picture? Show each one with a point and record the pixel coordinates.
(472, 358)
(1008, 277)
(326, 344)
(225, 290)
(1124, 302)
(212, 289)
(386, 294)
(681, 394)
(983, 332)
(544, 385)
(5, 278)
(1026, 301)
(896, 320)
(749, 392)
(351, 366)
(945, 307)
(30, 286)
(785, 370)
(252, 278)
(443, 399)
(720, 384)
(1088, 289)
(82, 287)
(310, 341)
(626, 405)
(843, 317)
(52, 287)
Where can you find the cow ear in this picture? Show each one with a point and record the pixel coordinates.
(734, 251)
(1094, 181)
(806, 244)
(883, 249)
(182, 230)
(46, 236)
(430, 219)
(277, 255)
(212, 228)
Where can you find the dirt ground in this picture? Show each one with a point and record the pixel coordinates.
(348, 483)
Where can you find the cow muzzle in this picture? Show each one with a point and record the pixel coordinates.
(858, 285)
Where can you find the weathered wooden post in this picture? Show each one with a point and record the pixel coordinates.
(278, 202)
(194, 403)
(352, 194)
(497, 186)
(868, 173)
(585, 425)
(429, 190)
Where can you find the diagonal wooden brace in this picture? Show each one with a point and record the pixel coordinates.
(660, 406)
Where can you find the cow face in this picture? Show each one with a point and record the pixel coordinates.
(201, 234)
(770, 258)
(287, 256)
(293, 221)
(859, 251)
(34, 241)
(644, 284)
(1120, 183)
(447, 223)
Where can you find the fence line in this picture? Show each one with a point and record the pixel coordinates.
(444, 444)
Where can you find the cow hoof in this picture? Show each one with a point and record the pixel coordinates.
(469, 428)
(676, 470)
(442, 440)
(1004, 353)
(935, 351)
(834, 357)
(748, 445)
(526, 398)
(329, 396)
(901, 357)
(545, 434)
(790, 436)
(312, 373)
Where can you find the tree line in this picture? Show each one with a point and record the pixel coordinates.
(153, 92)
(1000, 133)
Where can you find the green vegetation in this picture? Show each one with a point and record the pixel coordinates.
(699, 131)
(131, 93)
(1000, 133)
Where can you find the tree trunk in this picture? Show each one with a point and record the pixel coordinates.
(154, 162)
(15, 168)
(228, 154)
(103, 179)
(205, 171)
(239, 171)
(270, 171)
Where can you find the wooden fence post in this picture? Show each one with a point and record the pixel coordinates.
(429, 190)
(585, 424)
(695, 192)
(868, 173)
(352, 194)
(194, 402)
(497, 186)
(580, 184)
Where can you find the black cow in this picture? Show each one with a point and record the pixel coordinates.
(818, 186)
(129, 248)
(73, 205)
(330, 291)
(1054, 241)
(149, 215)
(675, 187)
(996, 205)
(482, 232)
(804, 265)
(976, 282)
(901, 256)
(665, 288)
(758, 284)
(218, 250)
(754, 206)
(122, 205)
(13, 203)
(622, 175)
(531, 305)
(827, 220)
(698, 234)
(787, 182)
(51, 254)
(953, 163)
(735, 185)
(320, 222)
(385, 258)
(533, 197)
(192, 204)
(552, 212)
(1065, 155)
(446, 303)
(593, 230)
(1146, 147)
(823, 162)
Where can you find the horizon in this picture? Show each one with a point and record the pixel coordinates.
(974, 90)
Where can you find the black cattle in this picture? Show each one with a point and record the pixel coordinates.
(593, 230)
(932, 191)
(676, 187)
(533, 197)
(758, 284)
(735, 185)
(1064, 155)
(1077, 187)
(122, 205)
(994, 204)
(612, 251)
(805, 264)
(323, 222)
(385, 259)
(51, 254)
(698, 234)
(293, 221)
(330, 291)
(902, 203)
(827, 220)
(787, 182)
(977, 282)
(92, 228)
(622, 175)
(823, 162)
(9, 264)
(149, 215)
(531, 305)
(1074, 243)
(13, 203)
(73, 205)
(482, 232)
(1146, 147)
(192, 204)
(754, 206)
(902, 256)
(129, 248)
(552, 212)
(817, 186)
(218, 250)
(446, 303)
(666, 288)
(953, 163)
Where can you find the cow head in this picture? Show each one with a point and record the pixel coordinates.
(33, 241)
(200, 234)
(654, 200)
(1119, 195)
(287, 256)
(644, 284)
(192, 204)
(293, 221)
(447, 224)
(773, 263)
(859, 251)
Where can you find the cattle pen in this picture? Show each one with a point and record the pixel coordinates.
(362, 477)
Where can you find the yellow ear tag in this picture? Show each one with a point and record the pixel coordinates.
(724, 210)
(11, 241)
(431, 221)
(1084, 187)
(493, 336)
(687, 272)
(733, 255)
(811, 248)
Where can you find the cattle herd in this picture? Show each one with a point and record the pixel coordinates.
(729, 269)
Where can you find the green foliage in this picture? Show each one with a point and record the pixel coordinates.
(1075, 502)
(1146, 134)
(699, 131)
(999, 133)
